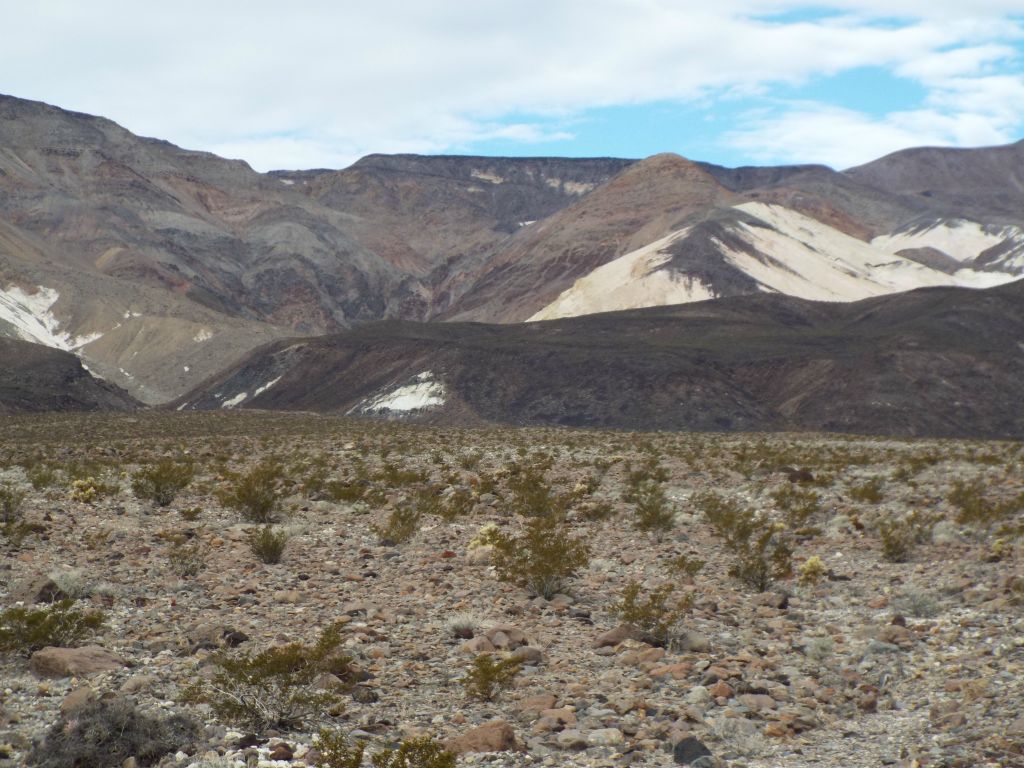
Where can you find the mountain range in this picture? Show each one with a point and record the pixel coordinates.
(162, 268)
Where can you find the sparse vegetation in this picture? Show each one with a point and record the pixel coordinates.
(760, 546)
(24, 630)
(273, 688)
(256, 494)
(11, 500)
(654, 611)
(542, 558)
(163, 481)
(104, 733)
(486, 677)
(653, 512)
(268, 543)
(421, 752)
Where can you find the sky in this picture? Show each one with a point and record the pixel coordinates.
(320, 83)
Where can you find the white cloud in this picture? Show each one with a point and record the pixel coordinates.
(323, 82)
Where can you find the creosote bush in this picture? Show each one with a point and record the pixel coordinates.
(900, 535)
(542, 558)
(163, 481)
(653, 512)
(403, 523)
(656, 612)
(25, 630)
(486, 677)
(256, 494)
(760, 546)
(423, 752)
(104, 733)
(337, 751)
(268, 543)
(11, 500)
(273, 688)
(869, 492)
(799, 505)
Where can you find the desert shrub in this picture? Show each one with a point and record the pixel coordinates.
(396, 476)
(486, 677)
(812, 571)
(337, 751)
(272, 688)
(403, 523)
(190, 514)
(532, 494)
(684, 566)
(655, 612)
(14, 534)
(976, 509)
(900, 535)
(423, 752)
(868, 492)
(256, 494)
(88, 489)
(11, 500)
(799, 505)
(267, 543)
(104, 733)
(25, 630)
(760, 547)
(187, 556)
(542, 558)
(596, 510)
(653, 512)
(42, 476)
(650, 471)
(920, 605)
(470, 460)
(72, 583)
(163, 481)
(462, 625)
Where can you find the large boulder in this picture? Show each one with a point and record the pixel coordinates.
(73, 662)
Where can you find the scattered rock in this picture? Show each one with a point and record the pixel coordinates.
(73, 662)
(495, 736)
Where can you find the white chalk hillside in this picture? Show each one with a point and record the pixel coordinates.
(795, 255)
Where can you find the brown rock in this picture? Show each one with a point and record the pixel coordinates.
(77, 699)
(495, 736)
(757, 701)
(73, 662)
(479, 644)
(613, 637)
(721, 689)
(40, 589)
(535, 704)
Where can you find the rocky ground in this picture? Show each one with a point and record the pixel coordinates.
(914, 663)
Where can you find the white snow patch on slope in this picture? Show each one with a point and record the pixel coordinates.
(33, 320)
(260, 390)
(426, 392)
(236, 400)
(815, 261)
(203, 335)
(958, 238)
(485, 176)
(630, 281)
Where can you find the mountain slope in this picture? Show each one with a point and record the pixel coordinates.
(38, 378)
(939, 361)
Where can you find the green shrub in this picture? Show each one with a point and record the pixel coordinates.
(542, 558)
(532, 494)
(799, 505)
(869, 492)
(272, 688)
(42, 476)
(976, 509)
(900, 535)
(105, 733)
(256, 494)
(336, 751)
(267, 544)
(403, 523)
(423, 752)
(760, 546)
(656, 614)
(11, 500)
(684, 566)
(187, 556)
(486, 677)
(25, 630)
(163, 481)
(88, 489)
(653, 512)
